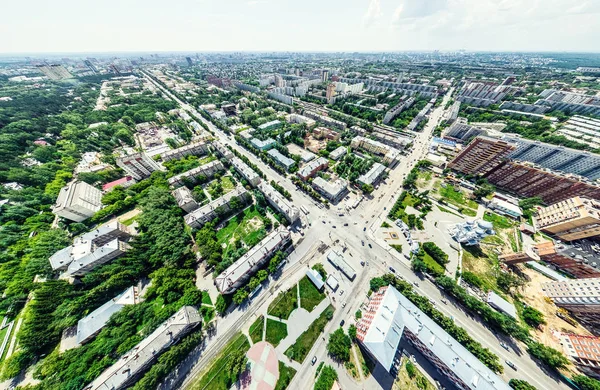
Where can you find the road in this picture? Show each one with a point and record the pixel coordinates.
(378, 254)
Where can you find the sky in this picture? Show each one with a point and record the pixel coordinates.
(308, 25)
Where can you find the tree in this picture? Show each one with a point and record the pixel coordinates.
(352, 332)
(550, 356)
(320, 269)
(220, 304)
(326, 379)
(533, 317)
(339, 345)
(586, 383)
(411, 370)
(520, 384)
(418, 265)
(506, 281)
(236, 364)
(377, 283)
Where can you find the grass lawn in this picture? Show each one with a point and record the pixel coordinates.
(276, 331)
(456, 197)
(2, 335)
(468, 212)
(227, 183)
(286, 374)
(305, 341)
(398, 248)
(206, 299)
(309, 295)
(206, 159)
(216, 376)
(284, 304)
(207, 313)
(432, 263)
(129, 221)
(246, 226)
(498, 221)
(417, 382)
(481, 264)
(445, 210)
(256, 329)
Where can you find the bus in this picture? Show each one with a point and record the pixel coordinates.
(304, 209)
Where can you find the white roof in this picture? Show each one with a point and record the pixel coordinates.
(501, 304)
(395, 314)
(315, 277)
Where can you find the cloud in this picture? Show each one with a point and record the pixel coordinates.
(416, 9)
(252, 3)
(373, 13)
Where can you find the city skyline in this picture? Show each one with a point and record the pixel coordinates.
(354, 25)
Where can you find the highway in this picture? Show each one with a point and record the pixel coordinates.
(379, 257)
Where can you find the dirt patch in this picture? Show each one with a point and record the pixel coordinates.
(534, 296)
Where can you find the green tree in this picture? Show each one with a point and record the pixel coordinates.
(533, 317)
(520, 384)
(339, 345)
(586, 383)
(550, 356)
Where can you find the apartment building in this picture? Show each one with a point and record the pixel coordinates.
(453, 113)
(324, 132)
(185, 200)
(583, 351)
(207, 170)
(281, 204)
(481, 156)
(528, 180)
(200, 216)
(280, 159)
(580, 260)
(571, 102)
(581, 297)
(263, 144)
(274, 124)
(139, 165)
(299, 119)
(222, 150)
(133, 363)
(89, 326)
(570, 219)
(311, 168)
(390, 155)
(393, 112)
(332, 190)
(326, 120)
(373, 175)
(239, 272)
(556, 157)
(338, 153)
(391, 320)
(78, 201)
(247, 173)
(193, 149)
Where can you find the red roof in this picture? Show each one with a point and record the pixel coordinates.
(117, 182)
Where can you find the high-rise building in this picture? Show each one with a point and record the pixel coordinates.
(139, 165)
(581, 297)
(78, 201)
(324, 75)
(55, 71)
(571, 219)
(189, 61)
(279, 81)
(481, 156)
(330, 92)
(579, 261)
(583, 351)
(528, 180)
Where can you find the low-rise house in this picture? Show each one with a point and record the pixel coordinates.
(282, 160)
(78, 201)
(207, 170)
(197, 218)
(373, 175)
(310, 169)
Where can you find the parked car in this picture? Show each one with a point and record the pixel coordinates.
(362, 242)
(392, 270)
(341, 292)
(362, 263)
(314, 360)
(370, 246)
(511, 365)
(364, 229)
(343, 305)
(342, 323)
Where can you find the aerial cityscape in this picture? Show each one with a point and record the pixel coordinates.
(285, 211)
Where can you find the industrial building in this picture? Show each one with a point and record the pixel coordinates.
(481, 156)
(462, 132)
(133, 363)
(139, 165)
(78, 201)
(239, 272)
(504, 207)
(570, 102)
(571, 219)
(391, 319)
(197, 218)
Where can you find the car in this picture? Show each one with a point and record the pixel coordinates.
(324, 222)
(511, 365)
(314, 360)
(504, 345)
(341, 292)
(362, 242)
(343, 305)
(432, 301)
(362, 263)
(340, 215)
(370, 246)
(333, 226)
(364, 229)
(342, 323)
(445, 302)
(392, 270)
(415, 284)
(345, 224)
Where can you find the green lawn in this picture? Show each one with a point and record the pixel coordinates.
(286, 374)
(256, 329)
(456, 197)
(284, 304)
(445, 210)
(305, 341)
(227, 183)
(432, 263)
(206, 159)
(468, 212)
(206, 299)
(481, 264)
(246, 226)
(309, 295)
(129, 221)
(276, 331)
(498, 221)
(216, 376)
